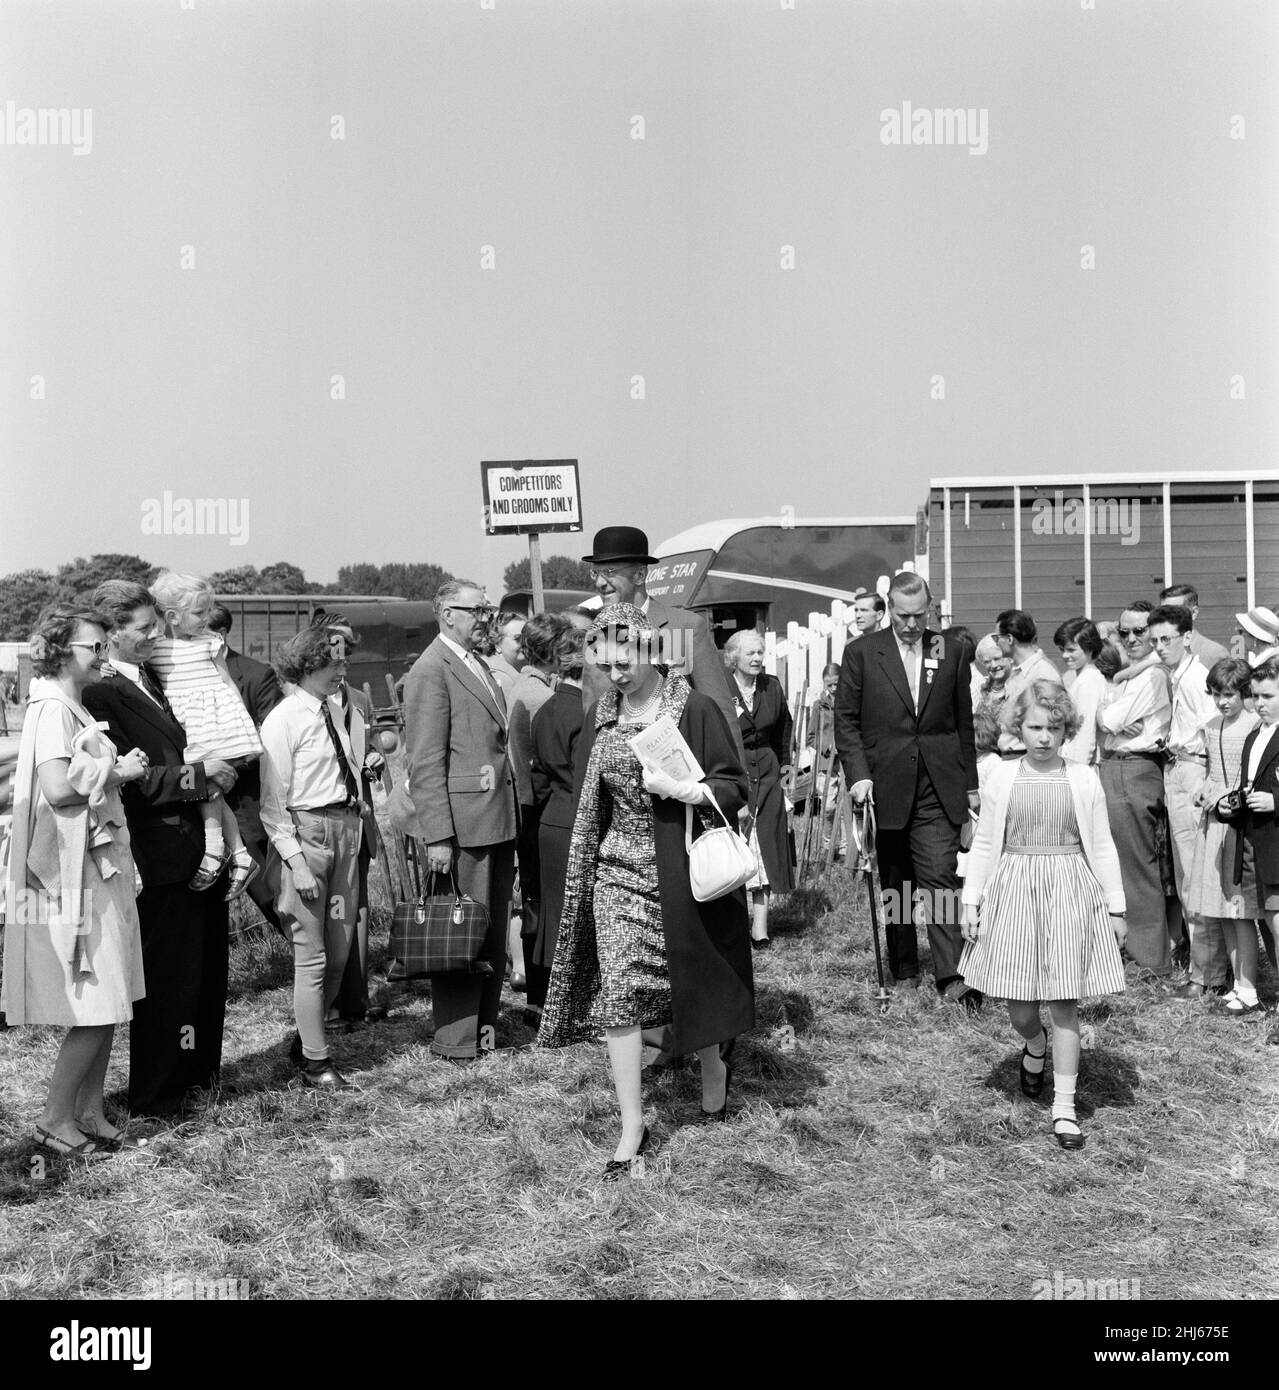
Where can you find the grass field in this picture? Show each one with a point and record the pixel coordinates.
(869, 1156)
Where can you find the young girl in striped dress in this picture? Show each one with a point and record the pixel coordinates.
(1223, 904)
(190, 663)
(1043, 903)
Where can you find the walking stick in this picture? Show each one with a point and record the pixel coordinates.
(863, 828)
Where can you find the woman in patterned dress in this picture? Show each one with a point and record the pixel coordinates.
(1043, 903)
(635, 950)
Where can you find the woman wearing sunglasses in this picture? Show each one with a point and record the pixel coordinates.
(72, 947)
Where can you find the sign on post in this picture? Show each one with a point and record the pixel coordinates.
(524, 497)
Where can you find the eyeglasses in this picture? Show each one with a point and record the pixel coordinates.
(484, 608)
(609, 572)
(97, 648)
(1166, 641)
(1132, 631)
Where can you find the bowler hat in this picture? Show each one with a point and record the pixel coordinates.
(616, 543)
(1260, 623)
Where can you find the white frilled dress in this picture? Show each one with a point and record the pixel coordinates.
(204, 699)
(1045, 928)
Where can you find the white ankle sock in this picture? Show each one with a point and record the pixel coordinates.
(1064, 1096)
(214, 844)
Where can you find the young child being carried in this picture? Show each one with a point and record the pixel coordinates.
(190, 662)
(1043, 903)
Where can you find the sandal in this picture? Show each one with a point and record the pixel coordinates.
(242, 874)
(113, 1143)
(45, 1139)
(208, 873)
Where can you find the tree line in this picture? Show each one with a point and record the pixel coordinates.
(25, 593)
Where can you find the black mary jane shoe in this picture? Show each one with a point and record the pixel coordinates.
(1032, 1083)
(618, 1168)
(1065, 1138)
(760, 943)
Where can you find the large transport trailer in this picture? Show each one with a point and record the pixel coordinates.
(1091, 543)
(770, 571)
(393, 632)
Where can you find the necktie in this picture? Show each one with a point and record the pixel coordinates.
(153, 688)
(489, 681)
(352, 790)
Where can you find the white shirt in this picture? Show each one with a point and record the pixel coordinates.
(1087, 689)
(299, 768)
(133, 673)
(1258, 750)
(1192, 708)
(1134, 716)
(910, 654)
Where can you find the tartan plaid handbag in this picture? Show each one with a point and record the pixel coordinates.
(438, 933)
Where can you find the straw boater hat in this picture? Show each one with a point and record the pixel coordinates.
(1261, 623)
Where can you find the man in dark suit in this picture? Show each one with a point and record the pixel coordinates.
(904, 733)
(462, 789)
(619, 569)
(175, 1039)
(259, 688)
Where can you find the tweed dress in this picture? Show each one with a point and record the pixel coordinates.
(635, 983)
(1045, 929)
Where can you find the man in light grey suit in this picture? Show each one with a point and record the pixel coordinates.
(463, 793)
(619, 569)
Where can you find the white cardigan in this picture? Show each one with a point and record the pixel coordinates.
(1090, 813)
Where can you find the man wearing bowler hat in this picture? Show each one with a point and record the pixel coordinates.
(619, 570)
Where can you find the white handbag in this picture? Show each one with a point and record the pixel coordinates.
(719, 860)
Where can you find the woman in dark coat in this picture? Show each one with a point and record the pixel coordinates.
(556, 727)
(635, 950)
(765, 722)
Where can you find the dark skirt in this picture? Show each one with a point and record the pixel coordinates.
(776, 844)
(528, 858)
(553, 842)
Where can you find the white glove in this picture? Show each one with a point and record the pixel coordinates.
(661, 785)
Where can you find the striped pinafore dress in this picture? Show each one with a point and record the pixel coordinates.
(1045, 929)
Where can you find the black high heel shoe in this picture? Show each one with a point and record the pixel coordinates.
(710, 1117)
(617, 1168)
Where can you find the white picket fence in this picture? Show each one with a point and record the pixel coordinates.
(796, 658)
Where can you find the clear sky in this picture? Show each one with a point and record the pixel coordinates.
(512, 127)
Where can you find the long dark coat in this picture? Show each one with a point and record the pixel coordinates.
(708, 949)
(557, 726)
(766, 736)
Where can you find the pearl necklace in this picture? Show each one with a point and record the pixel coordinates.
(639, 711)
